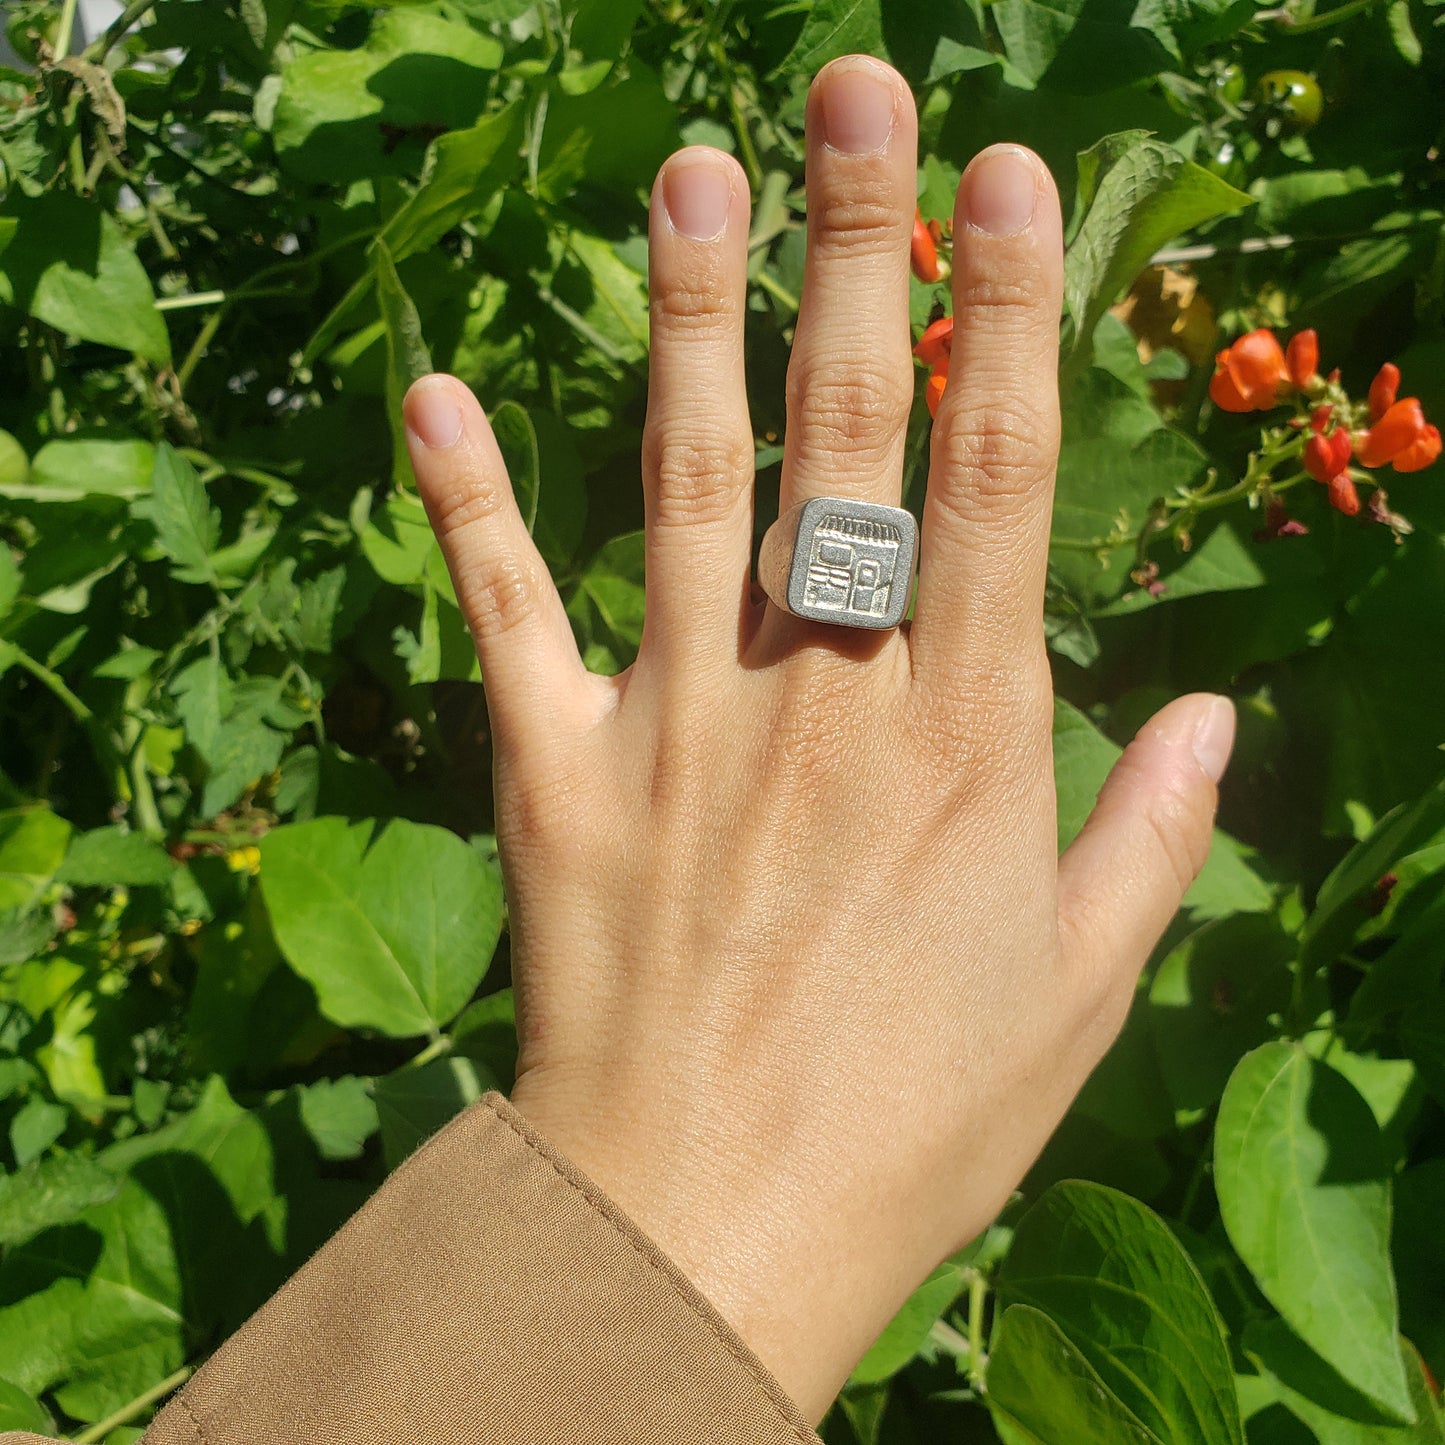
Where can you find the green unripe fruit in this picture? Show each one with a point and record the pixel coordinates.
(1292, 97)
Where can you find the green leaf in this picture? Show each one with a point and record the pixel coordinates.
(1304, 1192)
(93, 1310)
(614, 583)
(1079, 46)
(74, 468)
(111, 857)
(1372, 724)
(834, 28)
(1402, 32)
(464, 170)
(394, 933)
(600, 28)
(1213, 999)
(346, 115)
(21, 1412)
(398, 540)
(1337, 1414)
(32, 845)
(517, 439)
(35, 1127)
(187, 526)
(239, 728)
(1344, 903)
(14, 464)
(1046, 1389)
(905, 1333)
(1108, 1272)
(1135, 193)
(407, 357)
(51, 1192)
(607, 136)
(414, 1102)
(340, 1115)
(486, 1033)
(71, 266)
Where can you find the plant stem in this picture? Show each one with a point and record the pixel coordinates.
(53, 681)
(751, 163)
(1346, 11)
(977, 1358)
(66, 30)
(132, 1408)
(198, 298)
(117, 30)
(434, 1050)
(776, 290)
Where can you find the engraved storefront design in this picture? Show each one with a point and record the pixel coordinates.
(852, 565)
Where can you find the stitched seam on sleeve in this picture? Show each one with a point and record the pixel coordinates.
(191, 1415)
(806, 1436)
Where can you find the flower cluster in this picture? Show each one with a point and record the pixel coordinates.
(1256, 374)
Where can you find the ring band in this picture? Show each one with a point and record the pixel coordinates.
(839, 561)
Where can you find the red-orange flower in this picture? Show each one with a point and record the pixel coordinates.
(1401, 434)
(937, 381)
(1383, 390)
(935, 343)
(1325, 457)
(926, 265)
(1421, 453)
(1249, 374)
(1302, 357)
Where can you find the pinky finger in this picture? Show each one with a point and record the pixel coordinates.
(530, 664)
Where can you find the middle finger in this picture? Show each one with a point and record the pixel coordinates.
(850, 380)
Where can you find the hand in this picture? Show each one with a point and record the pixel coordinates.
(800, 980)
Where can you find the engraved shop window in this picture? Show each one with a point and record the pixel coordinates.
(852, 565)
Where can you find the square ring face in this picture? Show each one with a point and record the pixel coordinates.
(852, 563)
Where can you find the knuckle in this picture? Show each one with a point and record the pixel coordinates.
(1010, 301)
(1002, 452)
(855, 408)
(498, 594)
(697, 479)
(469, 504)
(857, 219)
(698, 306)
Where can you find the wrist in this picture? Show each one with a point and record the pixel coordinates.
(788, 1277)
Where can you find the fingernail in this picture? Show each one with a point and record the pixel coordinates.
(1214, 738)
(697, 192)
(999, 190)
(433, 413)
(858, 107)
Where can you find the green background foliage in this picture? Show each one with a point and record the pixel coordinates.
(253, 939)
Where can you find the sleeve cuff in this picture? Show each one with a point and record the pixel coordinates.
(488, 1291)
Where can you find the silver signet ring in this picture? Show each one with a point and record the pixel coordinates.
(839, 561)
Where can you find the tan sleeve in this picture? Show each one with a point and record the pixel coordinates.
(488, 1292)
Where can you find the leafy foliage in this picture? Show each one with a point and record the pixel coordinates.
(252, 933)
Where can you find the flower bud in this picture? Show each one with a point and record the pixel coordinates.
(1383, 390)
(1343, 496)
(1302, 357)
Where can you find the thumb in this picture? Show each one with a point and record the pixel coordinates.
(1125, 875)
